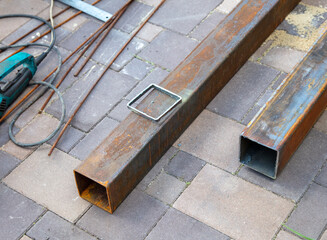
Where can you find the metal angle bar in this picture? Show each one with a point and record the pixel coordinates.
(88, 9)
(120, 162)
(271, 138)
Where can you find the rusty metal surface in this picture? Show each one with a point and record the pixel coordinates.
(132, 149)
(274, 135)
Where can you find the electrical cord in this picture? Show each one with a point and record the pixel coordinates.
(38, 60)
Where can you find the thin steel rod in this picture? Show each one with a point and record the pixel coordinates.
(102, 74)
(111, 24)
(48, 31)
(65, 60)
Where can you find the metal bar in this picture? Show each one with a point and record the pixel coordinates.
(271, 138)
(88, 9)
(102, 74)
(112, 171)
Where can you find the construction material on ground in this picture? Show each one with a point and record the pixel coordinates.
(88, 9)
(120, 162)
(271, 138)
(102, 74)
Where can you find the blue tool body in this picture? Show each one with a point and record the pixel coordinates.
(10, 89)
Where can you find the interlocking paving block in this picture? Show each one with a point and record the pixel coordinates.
(80, 36)
(314, 19)
(324, 236)
(135, 217)
(284, 59)
(108, 92)
(7, 163)
(137, 69)
(17, 213)
(261, 101)
(37, 130)
(94, 138)
(166, 188)
(149, 32)
(214, 139)
(183, 15)
(242, 91)
(168, 49)
(72, 25)
(310, 216)
(295, 178)
(50, 226)
(233, 206)
(177, 225)
(15, 6)
(157, 169)
(49, 181)
(156, 76)
(228, 5)
(120, 112)
(318, 3)
(321, 124)
(184, 166)
(69, 139)
(322, 177)
(4, 133)
(133, 16)
(283, 235)
(205, 27)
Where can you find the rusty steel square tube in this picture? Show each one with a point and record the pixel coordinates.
(120, 162)
(271, 138)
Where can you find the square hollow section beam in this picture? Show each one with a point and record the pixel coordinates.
(120, 162)
(271, 138)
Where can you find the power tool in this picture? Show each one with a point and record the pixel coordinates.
(10, 89)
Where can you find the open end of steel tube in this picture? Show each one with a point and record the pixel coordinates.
(259, 157)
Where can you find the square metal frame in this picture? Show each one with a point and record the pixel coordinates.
(161, 89)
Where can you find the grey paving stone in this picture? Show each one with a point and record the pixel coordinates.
(177, 225)
(108, 92)
(295, 178)
(49, 181)
(184, 166)
(166, 188)
(242, 91)
(120, 112)
(149, 32)
(69, 139)
(263, 99)
(282, 58)
(296, 29)
(233, 206)
(94, 138)
(228, 5)
(4, 134)
(156, 76)
(322, 177)
(283, 235)
(80, 36)
(321, 124)
(157, 168)
(51, 226)
(310, 216)
(205, 27)
(183, 15)
(133, 219)
(7, 163)
(168, 49)
(214, 139)
(318, 3)
(17, 213)
(15, 6)
(133, 16)
(137, 69)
